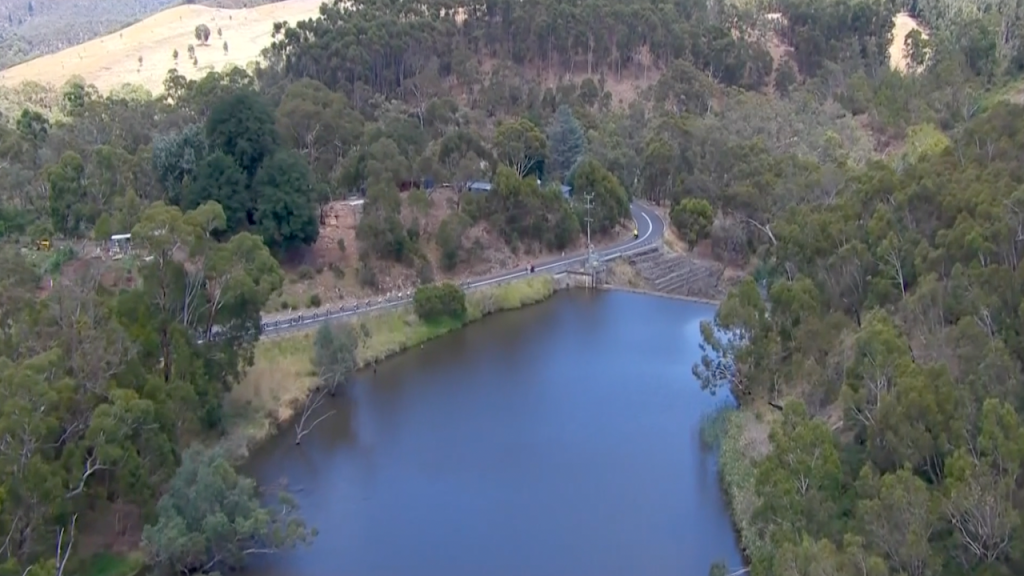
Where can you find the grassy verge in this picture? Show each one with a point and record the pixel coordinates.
(108, 564)
(741, 439)
(282, 375)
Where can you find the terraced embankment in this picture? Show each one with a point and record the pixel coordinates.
(679, 275)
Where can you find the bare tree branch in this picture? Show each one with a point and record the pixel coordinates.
(313, 401)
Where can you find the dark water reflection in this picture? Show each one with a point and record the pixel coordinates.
(560, 440)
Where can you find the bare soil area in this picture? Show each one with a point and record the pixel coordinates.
(904, 24)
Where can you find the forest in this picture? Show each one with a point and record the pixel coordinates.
(879, 212)
(884, 319)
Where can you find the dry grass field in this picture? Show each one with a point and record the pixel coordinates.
(113, 60)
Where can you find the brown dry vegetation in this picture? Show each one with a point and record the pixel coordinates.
(113, 60)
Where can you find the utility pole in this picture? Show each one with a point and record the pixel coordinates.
(591, 257)
(588, 198)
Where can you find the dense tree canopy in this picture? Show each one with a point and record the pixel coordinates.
(889, 316)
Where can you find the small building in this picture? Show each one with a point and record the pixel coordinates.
(120, 245)
(479, 187)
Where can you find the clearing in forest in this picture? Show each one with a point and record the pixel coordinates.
(903, 24)
(113, 60)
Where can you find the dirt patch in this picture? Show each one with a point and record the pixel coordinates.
(903, 24)
(339, 223)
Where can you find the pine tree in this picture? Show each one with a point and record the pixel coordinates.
(566, 142)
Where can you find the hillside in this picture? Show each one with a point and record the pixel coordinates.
(38, 27)
(142, 53)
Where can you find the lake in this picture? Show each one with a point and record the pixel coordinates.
(557, 440)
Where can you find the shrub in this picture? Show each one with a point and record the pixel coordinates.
(435, 302)
(314, 301)
(306, 273)
(366, 274)
(425, 271)
(341, 245)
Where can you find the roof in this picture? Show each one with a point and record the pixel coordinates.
(481, 186)
(121, 237)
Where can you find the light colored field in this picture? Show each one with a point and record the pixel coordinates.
(113, 60)
(904, 23)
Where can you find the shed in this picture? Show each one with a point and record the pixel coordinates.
(479, 187)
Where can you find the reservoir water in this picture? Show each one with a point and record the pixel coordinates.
(558, 440)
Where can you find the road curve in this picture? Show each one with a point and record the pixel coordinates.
(650, 228)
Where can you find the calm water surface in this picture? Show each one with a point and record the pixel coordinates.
(560, 440)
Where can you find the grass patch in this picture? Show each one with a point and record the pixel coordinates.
(737, 435)
(108, 564)
(282, 374)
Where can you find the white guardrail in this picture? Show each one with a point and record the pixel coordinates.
(400, 299)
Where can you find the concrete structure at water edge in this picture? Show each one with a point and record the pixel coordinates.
(679, 275)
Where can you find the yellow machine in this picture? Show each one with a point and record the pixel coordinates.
(43, 245)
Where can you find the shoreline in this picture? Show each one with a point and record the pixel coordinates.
(645, 292)
(282, 376)
(735, 434)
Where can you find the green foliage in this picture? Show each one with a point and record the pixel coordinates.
(449, 239)
(286, 205)
(566, 142)
(211, 518)
(65, 181)
(60, 257)
(693, 218)
(176, 158)
(436, 302)
(609, 202)
(107, 564)
(202, 33)
(33, 125)
(520, 145)
(524, 212)
(335, 349)
(893, 320)
(242, 126)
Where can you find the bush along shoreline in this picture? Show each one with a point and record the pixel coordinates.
(284, 373)
(728, 430)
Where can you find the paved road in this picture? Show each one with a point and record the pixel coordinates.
(650, 228)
